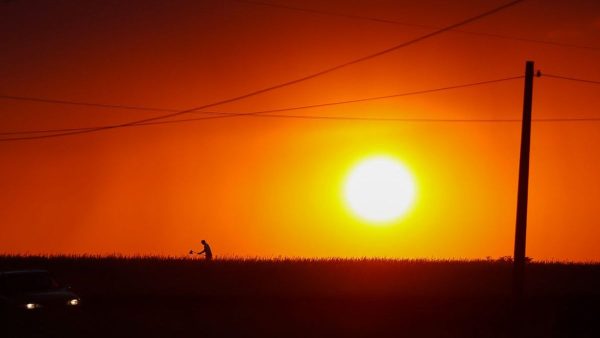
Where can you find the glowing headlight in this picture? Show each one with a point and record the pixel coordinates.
(32, 306)
(73, 302)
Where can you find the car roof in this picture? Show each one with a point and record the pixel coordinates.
(22, 272)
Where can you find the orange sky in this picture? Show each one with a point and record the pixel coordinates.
(257, 186)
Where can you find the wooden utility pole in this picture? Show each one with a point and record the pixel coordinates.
(521, 228)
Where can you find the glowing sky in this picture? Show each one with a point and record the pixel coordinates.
(260, 186)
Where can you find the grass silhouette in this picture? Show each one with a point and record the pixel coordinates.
(152, 296)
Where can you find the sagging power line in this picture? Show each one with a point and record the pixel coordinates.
(269, 113)
(326, 117)
(405, 24)
(372, 98)
(291, 82)
(82, 103)
(217, 115)
(570, 78)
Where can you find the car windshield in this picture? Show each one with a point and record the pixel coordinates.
(28, 282)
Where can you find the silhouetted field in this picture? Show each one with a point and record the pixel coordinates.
(157, 297)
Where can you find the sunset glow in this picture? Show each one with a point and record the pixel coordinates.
(295, 96)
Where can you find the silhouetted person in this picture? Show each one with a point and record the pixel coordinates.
(207, 252)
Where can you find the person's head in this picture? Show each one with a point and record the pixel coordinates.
(203, 241)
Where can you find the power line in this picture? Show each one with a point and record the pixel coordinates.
(81, 103)
(324, 117)
(269, 114)
(400, 23)
(382, 119)
(571, 78)
(341, 15)
(228, 115)
(373, 98)
(291, 82)
(318, 105)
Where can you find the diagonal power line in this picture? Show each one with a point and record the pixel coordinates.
(291, 82)
(269, 113)
(228, 115)
(400, 23)
(141, 108)
(81, 103)
(562, 77)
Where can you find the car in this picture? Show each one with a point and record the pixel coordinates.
(33, 291)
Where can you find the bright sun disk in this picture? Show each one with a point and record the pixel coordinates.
(380, 189)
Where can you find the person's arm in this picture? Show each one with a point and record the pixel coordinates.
(201, 252)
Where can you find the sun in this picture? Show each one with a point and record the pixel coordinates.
(380, 189)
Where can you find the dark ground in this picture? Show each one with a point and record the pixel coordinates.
(149, 297)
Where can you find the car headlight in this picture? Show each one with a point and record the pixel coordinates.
(73, 302)
(32, 306)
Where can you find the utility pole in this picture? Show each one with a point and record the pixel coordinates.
(521, 228)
